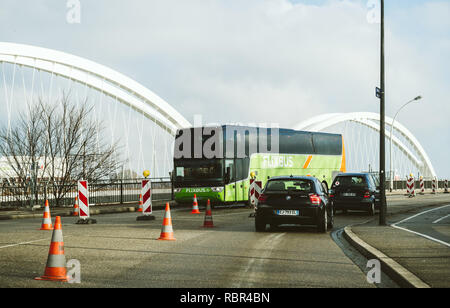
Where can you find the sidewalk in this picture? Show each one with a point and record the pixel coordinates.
(409, 259)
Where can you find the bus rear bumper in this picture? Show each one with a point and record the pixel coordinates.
(201, 198)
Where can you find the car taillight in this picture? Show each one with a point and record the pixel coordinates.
(367, 194)
(315, 199)
(262, 198)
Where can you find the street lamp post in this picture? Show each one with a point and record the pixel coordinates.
(390, 150)
(383, 206)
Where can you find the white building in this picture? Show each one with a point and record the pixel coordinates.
(43, 168)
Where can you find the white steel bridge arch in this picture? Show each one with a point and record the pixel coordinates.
(324, 121)
(99, 77)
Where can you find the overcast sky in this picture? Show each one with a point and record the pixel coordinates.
(274, 61)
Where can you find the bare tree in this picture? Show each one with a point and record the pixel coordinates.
(65, 141)
(21, 145)
(125, 174)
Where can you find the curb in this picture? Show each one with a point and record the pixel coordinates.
(69, 213)
(395, 271)
(20, 216)
(160, 205)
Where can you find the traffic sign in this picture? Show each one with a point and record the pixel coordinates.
(378, 92)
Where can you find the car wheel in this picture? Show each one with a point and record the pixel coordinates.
(322, 222)
(372, 209)
(331, 220)
(274, 227)
(260, 225)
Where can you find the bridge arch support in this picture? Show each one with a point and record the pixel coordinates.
(415, 153)
(99, 77)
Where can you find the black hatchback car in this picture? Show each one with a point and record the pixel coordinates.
(355, 191)
(294, 200)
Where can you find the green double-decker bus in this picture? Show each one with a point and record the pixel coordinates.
(215, 162)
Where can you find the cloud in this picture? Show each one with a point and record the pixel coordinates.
(262, 60)
(295, 55)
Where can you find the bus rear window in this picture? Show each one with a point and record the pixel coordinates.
(191, 170)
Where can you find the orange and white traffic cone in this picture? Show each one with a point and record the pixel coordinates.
(140, 203)
(208, 222)
(167, 230)
(195, 209)
(76, 211)
(47, 219)
(55, 269)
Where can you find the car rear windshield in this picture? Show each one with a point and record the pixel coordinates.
(350, 181)
(301, 186)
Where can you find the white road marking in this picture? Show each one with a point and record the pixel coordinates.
(24, 243)
(440, 219)
(395, 225)
(421, 213)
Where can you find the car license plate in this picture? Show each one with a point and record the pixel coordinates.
(349, 194)
(287, 213)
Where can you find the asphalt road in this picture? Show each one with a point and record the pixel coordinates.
(118, 251)
(432, 224)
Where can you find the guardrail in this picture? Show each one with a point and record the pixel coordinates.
(118, 192)
(101, 192)
(401, 184)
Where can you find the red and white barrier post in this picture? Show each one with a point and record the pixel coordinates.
(445, 187)
(255, 192)
(433, 186)
(422, 185)
(410, 187)
(83, 203)
(146, 192)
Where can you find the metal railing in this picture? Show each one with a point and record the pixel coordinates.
(115, 192)
(100, 192)
(401, 184)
